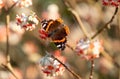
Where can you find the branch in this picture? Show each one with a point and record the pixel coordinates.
(10, 69)
(76, 15)
(80, 22)
(10, 8)
(70, 47)
(72, 72)
(66, 3)
(109, 58)
(92, 68)
(38, 18)
(105, 26)
(7, 34)
(8, 65)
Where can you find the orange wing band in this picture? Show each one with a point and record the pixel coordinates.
(62, 40)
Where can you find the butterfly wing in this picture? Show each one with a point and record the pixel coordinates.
(59, 37)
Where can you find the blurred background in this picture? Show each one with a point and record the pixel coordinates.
(26, 48)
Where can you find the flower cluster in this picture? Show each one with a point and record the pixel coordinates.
(89, 50)
(27, 22)
(111, 2)
(50, 66)
(1, 4)
(23, 3)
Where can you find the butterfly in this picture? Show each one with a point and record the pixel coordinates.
(56, 30)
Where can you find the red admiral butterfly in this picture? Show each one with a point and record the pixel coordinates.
(56, 30)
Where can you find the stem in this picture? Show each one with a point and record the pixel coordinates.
(9, 69)
(119, 73)
(72, 72)
(105, 26)
(13, 6)
(76, 15)
(118, 21)
(92, 68)
(38, 18)
(109, 58)
(66, 3)
(8, 9)
(80, 22)
(8, 65)
(7, 34)
(70, 47)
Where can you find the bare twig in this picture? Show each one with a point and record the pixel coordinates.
(67, 4)
(109, 58)
(80, 22)
(92, 68)
(119, 73)
(70, 47)
(76, 15)
(10, 69)
(105, 26)
(7, 34)
(118, 22)
(9, 9)
(7, 26)
(8, 65)
(72, 72)
(38, 18)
